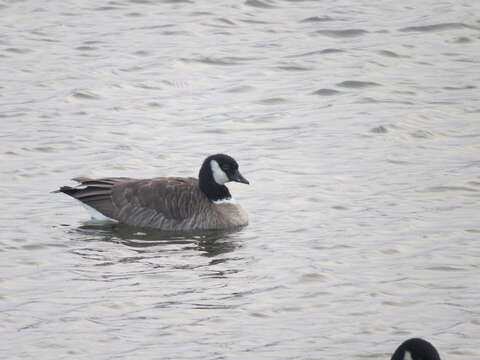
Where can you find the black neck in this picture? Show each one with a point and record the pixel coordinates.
(209, 187)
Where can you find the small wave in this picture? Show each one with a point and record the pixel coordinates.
(107, 8)
(240, 89)
(154, 104)
(444, 268)
(342, 33)
(379, 130)
(294, 68)
(180, 84)
(86, 48)
(326, 92)
(45, 149)
(354, 84)
(176, 32)
(313, 277)
(134, 14)
(467, 87)
(142, 53)
(85, 95)
(165, 1)
(259, 4)
(450, 188)
(390, 54)
(318, 52)
(370, 100)
(462, 40)
(421, 134)
(339, 207)
(18, 50)
(437, 27)
(202, 13)
(252, 21)
(330, 51)
(273, 101)
(12, 115)
(147, 86)
(226, 21)
(225, 61)
(397, 162)
(317, 19)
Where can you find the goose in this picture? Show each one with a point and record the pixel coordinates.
(416, 349)
(167, 203)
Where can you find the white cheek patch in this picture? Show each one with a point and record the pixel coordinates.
(218, 174)
(407, 356)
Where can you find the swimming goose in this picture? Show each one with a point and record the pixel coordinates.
(416, 349)
(167, 203)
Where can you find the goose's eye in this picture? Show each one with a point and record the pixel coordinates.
(226, 167)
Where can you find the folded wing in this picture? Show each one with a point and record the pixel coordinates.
(166, 203)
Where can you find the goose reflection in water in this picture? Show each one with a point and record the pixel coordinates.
(209, 243)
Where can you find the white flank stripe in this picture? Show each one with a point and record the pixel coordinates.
(97, 215)
(225, 201)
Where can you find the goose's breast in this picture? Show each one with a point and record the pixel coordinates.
(232, 214)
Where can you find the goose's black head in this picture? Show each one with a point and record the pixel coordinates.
(416, 349)
(215, 172)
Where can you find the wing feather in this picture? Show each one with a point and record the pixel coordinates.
(160, 202)
(165, 203)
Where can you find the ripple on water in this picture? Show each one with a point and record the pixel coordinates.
(148, 86)
(370, 100)
(421, 134)
(142, 53)
(107, 8)
(86, 48)
(85, 95)
(273, 101)
(225, 61)
(347, 33)
(391, 54)
(450, 189)
(240, 89)
(326, 92)
(15, 50)
(467, 87)
(445, 268)
(259, 4)
(462, 40)
(313, 277)
(12, 115)
(379, 130)
(294, 68)
(318, 52)
(131, 280)
(355, 84)
(226, 21)
(134, 14)
(437, 27)
(318, 19)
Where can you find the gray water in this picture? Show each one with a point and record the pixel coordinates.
(357, 123)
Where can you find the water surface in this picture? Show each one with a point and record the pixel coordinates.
(356, 122)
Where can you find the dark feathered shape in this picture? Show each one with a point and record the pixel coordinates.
(171, 203)
(416, 349)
